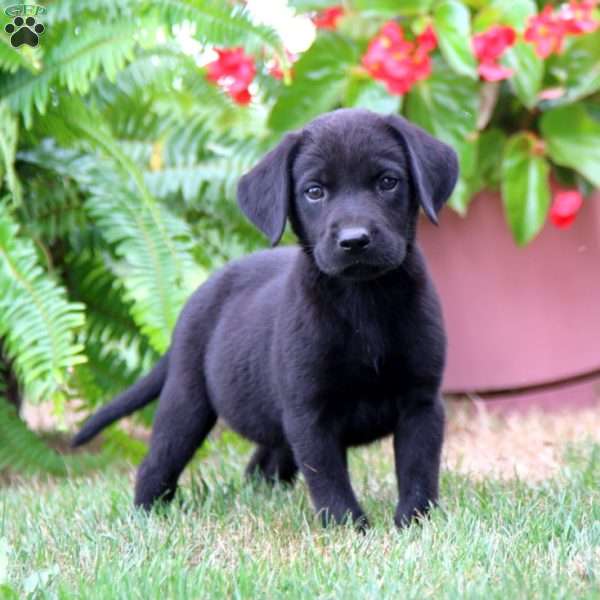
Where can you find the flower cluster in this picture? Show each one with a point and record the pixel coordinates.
(234, 71)
(565, 206)
(548, 30)
(398, 62)
(328, 18)
(489, 46)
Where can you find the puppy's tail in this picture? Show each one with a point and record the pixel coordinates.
(144, 391)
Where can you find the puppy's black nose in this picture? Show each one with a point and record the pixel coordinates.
(354, 239)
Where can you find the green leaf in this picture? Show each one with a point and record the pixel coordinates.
(514, 13)
(393, 7)
(528, 72)
(310, 5)
(578, 69)
(490, 150)
(370, 94)
(453, 26)
(446, 106)
(319, 79)
(480, 168)
(572, 136)
(461, 196)
(525, 187)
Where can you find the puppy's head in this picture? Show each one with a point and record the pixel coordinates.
(351, 183)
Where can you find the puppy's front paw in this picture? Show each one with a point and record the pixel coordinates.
(406, 514)
(358, 519)
(362, 524)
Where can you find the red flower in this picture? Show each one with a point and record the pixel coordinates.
(565, 206)
(242, 97)
(577, 17)
(489, 46)
(391, 33)
(549, 29)
(397, 62)
(328, 18)
(427, 41)
(233, 71)
(547, 32)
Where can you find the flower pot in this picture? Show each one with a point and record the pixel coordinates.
(516, 317)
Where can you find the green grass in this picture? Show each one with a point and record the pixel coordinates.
(80, 538)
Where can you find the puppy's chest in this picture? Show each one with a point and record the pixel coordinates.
(362, 408)
(371, 350)
(360, 373)
(363, 378)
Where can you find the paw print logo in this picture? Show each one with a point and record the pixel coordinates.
(24, 31)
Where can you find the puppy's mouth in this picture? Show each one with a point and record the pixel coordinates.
(370, 265)
(357, 270)
(363, 271)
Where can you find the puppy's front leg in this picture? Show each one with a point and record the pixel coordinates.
(322, 460)
(417, 447)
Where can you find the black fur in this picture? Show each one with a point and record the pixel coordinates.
(308, 351)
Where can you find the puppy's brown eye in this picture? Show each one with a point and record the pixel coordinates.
(388, 183)
(314, 193)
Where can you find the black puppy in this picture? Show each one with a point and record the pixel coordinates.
(308, 351)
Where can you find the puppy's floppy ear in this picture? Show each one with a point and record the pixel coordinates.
(264, 193)
(433, 165)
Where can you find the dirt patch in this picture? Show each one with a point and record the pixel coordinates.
(530, 446)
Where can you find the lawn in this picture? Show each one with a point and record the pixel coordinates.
(496, 536)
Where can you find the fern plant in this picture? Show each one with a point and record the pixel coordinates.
(118, 165)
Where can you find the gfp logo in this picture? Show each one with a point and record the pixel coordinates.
(26, 26)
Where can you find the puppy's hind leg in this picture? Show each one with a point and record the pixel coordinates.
(273, 464)
(183, 420)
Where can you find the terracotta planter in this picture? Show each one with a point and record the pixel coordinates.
(516, 317)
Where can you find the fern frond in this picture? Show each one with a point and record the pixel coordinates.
(10, 59)
(219, 23)
(76, 123)
(154, 247)
(152, 70)
(156, 284)
(52, 209)
(75, 10)
(108, 315)
(36, 320)
(73, 63)
(8, 149)
(196, 160)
